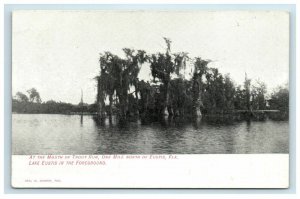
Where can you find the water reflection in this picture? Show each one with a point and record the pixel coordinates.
(83, 134)
(248, 125)
(81, 120)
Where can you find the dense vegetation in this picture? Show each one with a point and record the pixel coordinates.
(51, 107)
(21, 103)
(207, 92)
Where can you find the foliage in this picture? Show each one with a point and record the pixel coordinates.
(258, 93)
(208, 92)
(121, 92)
(21, 97)
(51, 107)
(34, 96)
(280, 101)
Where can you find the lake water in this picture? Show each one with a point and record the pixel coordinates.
(75, 134)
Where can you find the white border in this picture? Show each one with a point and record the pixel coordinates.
(186, 171)
(133, 194)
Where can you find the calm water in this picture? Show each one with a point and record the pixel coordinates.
(74, 134)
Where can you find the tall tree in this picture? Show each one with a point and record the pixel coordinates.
(258, 92)
(116, 77)
(134, 61)
(229, 93)
(34, 95)
(162, 67)
(200, 68)
(279, 99)
(105, 83)
(247, 85)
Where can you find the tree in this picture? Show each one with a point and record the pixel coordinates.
(106, 82)
(116, 77)
(258, 93)
(100, 97)
(229, 93)
(207, 92)
(280, 100)
(147, 93)
(21, 97)
(108, 75)
(34, 95)
(200, 68)
(178, 96)
(247, 85)
(239, 98)
(214, 92)
(134, 62)
(162, 67)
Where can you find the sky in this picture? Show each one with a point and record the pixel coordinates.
(57, 52)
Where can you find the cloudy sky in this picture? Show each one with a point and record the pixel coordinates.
(57, 52)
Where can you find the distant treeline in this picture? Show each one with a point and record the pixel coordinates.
(206, 92)
(34, 105)
(52, 107)
(21, 103)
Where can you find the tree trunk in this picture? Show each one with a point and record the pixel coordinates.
(110, 108)
(100, 101)
(167, 105)
(196, 97)
(101, 111)
(136, 100)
